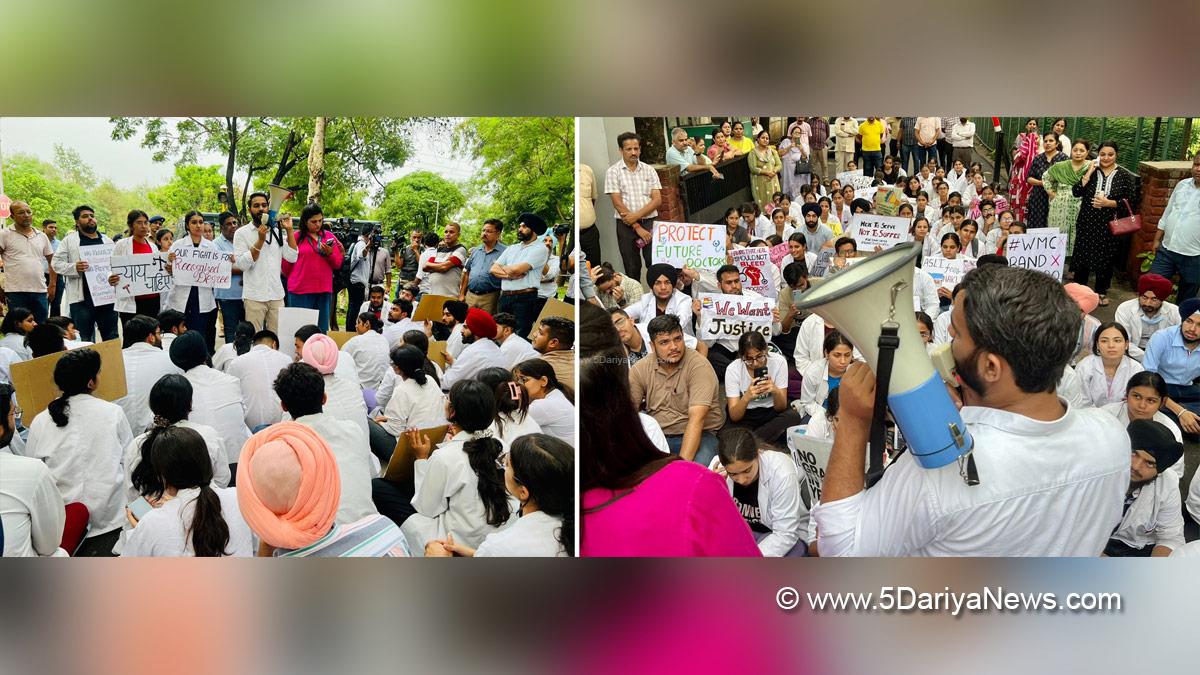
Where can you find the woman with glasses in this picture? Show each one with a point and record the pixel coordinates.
(765, 486)
(549, 404)
(756, 390)
(539, 472)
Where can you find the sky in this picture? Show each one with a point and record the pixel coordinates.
(128, 164)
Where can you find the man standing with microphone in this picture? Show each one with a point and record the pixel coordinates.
(261, 250)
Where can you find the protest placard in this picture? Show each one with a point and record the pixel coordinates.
(700, 247)
(870, 230)
(142, 274)
(848, 177)
(204, 267)
(729, 316)
(96, 275)
(429, 308)
(947, 273)
(755, 264)
(888, 200)
(822, 263)
(34, 381)
(290, 321)
(867, 193)
(812, 456)
(553, 307)
(779, 252)
(1044, 251)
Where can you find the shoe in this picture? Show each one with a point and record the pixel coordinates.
(1103, 301)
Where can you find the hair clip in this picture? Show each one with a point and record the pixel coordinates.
(514, 390)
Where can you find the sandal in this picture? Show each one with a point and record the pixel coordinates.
(1103, 301)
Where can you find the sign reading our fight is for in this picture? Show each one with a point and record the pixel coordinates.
(730, 316)
(141, 274)
(870, 230)
(680, 245)
(208, 268)
(1044, 251)
(755, 265)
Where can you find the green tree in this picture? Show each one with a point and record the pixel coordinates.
(193, 187)
(72, 168)
(419, 200)
(41, 185)
(528, 163)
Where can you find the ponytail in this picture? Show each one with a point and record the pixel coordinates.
(210, 532)
(145, 478)
(243, 337)
(178, 456)
(482, 453)
(74, 374)
(411, 363)
(512, 401)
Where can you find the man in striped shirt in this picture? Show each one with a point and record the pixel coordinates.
(817, 139)
(372, 537)
(636, 194)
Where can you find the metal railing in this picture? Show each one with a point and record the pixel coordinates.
(705, 198)
(1134, 135)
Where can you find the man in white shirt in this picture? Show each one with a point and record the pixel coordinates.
(636, 193)
(31, 509)
(26, 252)
(454, 312)
(1148, 313)
(256, 370)
(171, 325)
(446, 266)
(145, 363)
(663, 298)
(519, 269)
(721, 352)
(513, 347)
(260, 251)
(369, 349)
(398, 322)
(962, 139)
(301, 392)
(376, 304)
(1152, 524)
(481, 351)
(1051, 478)
(1177, 241)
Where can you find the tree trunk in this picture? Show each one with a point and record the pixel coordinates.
(316, 161)
(231, 203)
(1187, 138)
(1154, 139)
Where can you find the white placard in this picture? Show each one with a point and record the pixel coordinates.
(870, 231)
(812, 456)
(947, 273)
(96, 276)
(204, 267)
(697, 246)
(141, 274)
(730, 316)
(290, 320)
(755, 264)
(1044, 251)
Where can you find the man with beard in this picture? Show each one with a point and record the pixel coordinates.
(1152, 524)
(635, 337)
(444, 268)
(1052, 477)
(680, 390)
(519, 269)
(1177, 241)
(479, 333)
(663, 298)
(722, 352)
(376, 304)
(1171, 353)
(1148, 313)
(261, 251)
(145, 362)
(454, 313)
(816, 235)
(229, 300)
(77, 296)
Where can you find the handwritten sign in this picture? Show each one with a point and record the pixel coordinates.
(947, 273)
(870, 231)
(821, 264)
(142, 274)
(778, 253)
(204, 267)
(96, 275)
(754, 264)
(848, 177)
(811, 455)
(1043, 251)
(680, 245)
(888, 200)
(724, 316)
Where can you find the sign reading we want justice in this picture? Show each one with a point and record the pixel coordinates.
(700, 247)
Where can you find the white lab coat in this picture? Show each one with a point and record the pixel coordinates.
(941, 327)
(15, 342)
(925, 297)
(454, 343)
(356, 465)
(1096, 387)
(480, 354)
(394, 332)
(63, 262)
(217, 402)
(1046, 489)
(555, 415)
(515, 428)
(1120, 410)
(1155, 517)
(86, 457)
(815, 387)
(516, 349)
(810, 343)
(164, 532)
(30, 507)
(225, 354)
(145, 365)
(383, 395)
(256, 371)
(177, 299)
(128, 305)
(370, 353)
(1193, 498)
(1129, 315)
(343, 400)
(534, 535)
(1070, 389)
(780, 504)
(679, 304)
(654, 432)
(212, 441)
(415, 406)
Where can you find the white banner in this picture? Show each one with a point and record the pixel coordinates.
(729, 316)
(700, 247)
(208, 268)
(1044, 251)
(142, 274)
(96, 276)
(755, 264)
(870, 231)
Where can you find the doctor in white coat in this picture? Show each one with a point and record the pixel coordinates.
(1153, 521)
(663, 298)
(480, 353)
(765, 487)
(1105, 372)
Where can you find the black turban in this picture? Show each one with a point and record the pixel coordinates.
(189, 350)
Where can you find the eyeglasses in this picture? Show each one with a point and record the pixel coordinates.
(751, 360)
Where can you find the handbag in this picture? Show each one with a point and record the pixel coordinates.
(803, 166)
(1123, 226)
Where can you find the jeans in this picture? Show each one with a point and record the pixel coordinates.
(1168, 263)
(907, 151)
(317, 301)
(383, 444)
(56, 304)
(922, 156)
(232, 313)
(872, 162)
(37, 303)
(87, 318)
(524, 306)
(706, 451)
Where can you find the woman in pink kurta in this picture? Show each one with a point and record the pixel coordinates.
(319, 256)
(1028, 145)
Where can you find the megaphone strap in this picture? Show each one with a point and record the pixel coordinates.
(888, 342)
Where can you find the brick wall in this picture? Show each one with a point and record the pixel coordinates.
(672, 204)
(1158, 180)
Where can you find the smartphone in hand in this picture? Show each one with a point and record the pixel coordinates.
(140, 507)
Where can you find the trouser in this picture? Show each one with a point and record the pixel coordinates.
(820, 163)
(1169, 263)
(1000, 159)
(263, 313)
(908, 153)
(769, 425)
(393, 500)
(944, 150)
(799, 550)
(232, 313)
(75, 525)
(149, 306)
(923, 155)
(36, 303)
(704, 454)
(1103, 276)
(842, 157)
(872, 162)
(631, 256)
(858, 153)
(963, 155)
(1186, 395)
(720, 358)
(56, 303)
(195, 319)
(87, 318)
(894, 147)
(317, 301)
(99, 546)
(1119, 549)
(589, 242)
(485, 301)
(357, 293)
(383, 444)
(524, 306)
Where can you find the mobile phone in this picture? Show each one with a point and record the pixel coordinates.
(760, 373)
(140, 507)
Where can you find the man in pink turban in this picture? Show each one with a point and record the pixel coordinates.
(1088, 300)
(1148, 313)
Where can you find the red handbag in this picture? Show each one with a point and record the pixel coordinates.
(1123, 226)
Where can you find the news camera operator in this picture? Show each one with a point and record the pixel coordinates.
(1052, 478)
(370, 265)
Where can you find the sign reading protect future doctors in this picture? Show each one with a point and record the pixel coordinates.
(700, 247)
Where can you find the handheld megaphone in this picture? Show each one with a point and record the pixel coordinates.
(277, 196)
(871, 304)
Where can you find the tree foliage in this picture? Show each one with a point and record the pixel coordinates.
(409, 203)
(193, 187)
(528, 163)
(54, 190)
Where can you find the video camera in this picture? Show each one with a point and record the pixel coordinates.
(562, 229)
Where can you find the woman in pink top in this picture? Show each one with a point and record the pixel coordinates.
(637, 500)
(319, 255)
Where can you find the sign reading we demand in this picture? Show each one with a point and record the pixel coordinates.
(680, 245)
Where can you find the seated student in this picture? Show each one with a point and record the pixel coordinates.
(70, 334)
(345, 368)
(417, 401)
(344, 397)
(1148, 313)
(1105, 372)
(970, 246)
(44, 340)
(15, 326)
(512, 406)
(1088, 301)
(846, 249)
(369, 350)
(459, 490)
(810, 342)
(32, 513)
(289, 489)
(555, 342)
(663, 298)
(1145, 398)
(824, 375)
(376, 305)
(778, 225)
(256, 370)
(798, 252)
(952, 219)
(301, 391)
(1152, 524)
(173, 325)
(722, 351)
(795, 283)
(941, 325)
(216, 397)
(81, 439)
(766, 489)
(637, 340)
(550, 405)
(817, 236)
(480, 352)
(243, 340)
(398, 322)
(513, 348)
(190, 517)
(1015, 227)
(756, 390)
(615, 289)
(829, 216)
(823, 423)
(415, 338)
(925, 329)
(454, 313)
(539, 472)
(145, 363)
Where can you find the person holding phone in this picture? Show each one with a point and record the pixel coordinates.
(319, 255)
(756, 390)
(766, 488)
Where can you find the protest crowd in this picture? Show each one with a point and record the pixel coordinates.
(721, 419)
(440, 423)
